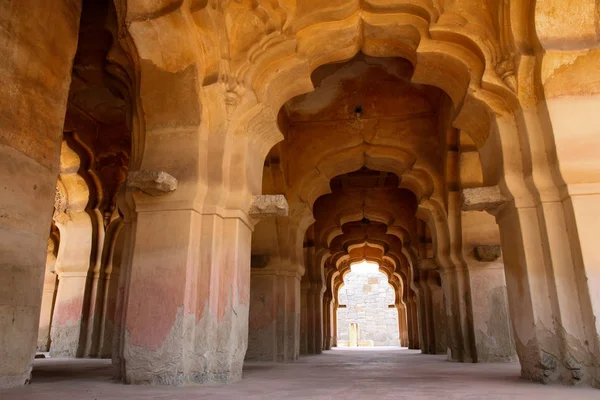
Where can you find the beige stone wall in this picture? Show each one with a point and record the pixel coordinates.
(367, 299)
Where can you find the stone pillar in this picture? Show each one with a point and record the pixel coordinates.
(127, 244)
(73, 260)
(334, 323)
(114, 249)
(439, 344)
(48, 297)
(427, 326)
(456, 287)
(571, 86)
(67, 321)
(414, 339)
(482, 254)
(327, 321)
(549, 323)
(402, 324)
(274, 333)
(304, 321)
(315, 314)
(34, 98)
(196, 322)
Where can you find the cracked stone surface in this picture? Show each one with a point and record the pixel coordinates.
(384, 373)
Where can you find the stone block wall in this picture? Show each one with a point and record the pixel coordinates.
(367, 299)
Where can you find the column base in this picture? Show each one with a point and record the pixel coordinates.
(7, 382)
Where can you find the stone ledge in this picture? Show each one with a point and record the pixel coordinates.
(154, 183)
(482, 198)
(269, 205)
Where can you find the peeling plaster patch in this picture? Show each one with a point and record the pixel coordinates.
(571, 73)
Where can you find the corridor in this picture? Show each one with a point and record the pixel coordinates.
(385, 373)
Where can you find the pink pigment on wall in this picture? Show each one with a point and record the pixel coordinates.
(153, 310)
(68, 311)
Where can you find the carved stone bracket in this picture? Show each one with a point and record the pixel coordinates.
(487, 253)
(265, 206)
(482, 198)
(154, 183)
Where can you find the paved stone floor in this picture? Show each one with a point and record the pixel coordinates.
(338, 374)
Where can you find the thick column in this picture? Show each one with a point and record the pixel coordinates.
(315, 315)
(274, 332)
(72, 267)
(439, 345)
(334, 323)
(414, 342)
(427, 326)
(482, 254)
(304, 321)
(197, 266)
(127, 244)
(35, 83)
(114, 249)
(402, 324)
(571, 83)
(327, 321)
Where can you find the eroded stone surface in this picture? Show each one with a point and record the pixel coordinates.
(487, 253)
(265, 206)
(154, 183)
(482, 198)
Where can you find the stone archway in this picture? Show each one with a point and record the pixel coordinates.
(206, 85)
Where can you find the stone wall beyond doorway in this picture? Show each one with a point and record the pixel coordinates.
(367, 299)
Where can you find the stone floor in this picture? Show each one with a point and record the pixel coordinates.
(338, 374)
